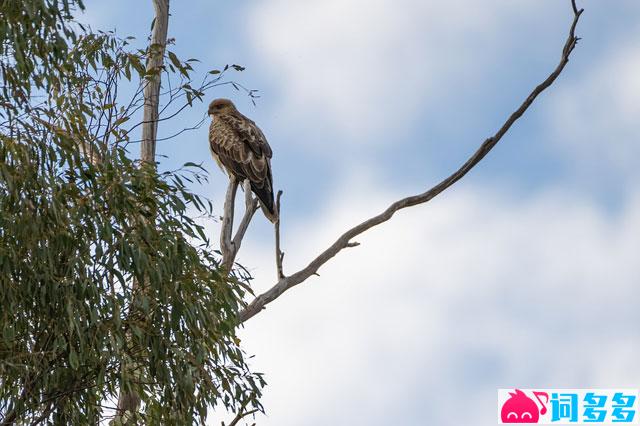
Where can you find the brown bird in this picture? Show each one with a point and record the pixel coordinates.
(241, 149)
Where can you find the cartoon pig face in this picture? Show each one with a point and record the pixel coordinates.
(519, 409)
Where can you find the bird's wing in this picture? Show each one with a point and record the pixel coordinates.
(243, 149)
(227, 149)
(250, 134)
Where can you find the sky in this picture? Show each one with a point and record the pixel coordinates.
(524, 274)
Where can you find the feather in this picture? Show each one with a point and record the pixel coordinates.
(238, 145)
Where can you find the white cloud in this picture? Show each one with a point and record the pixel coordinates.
(595, 116)
(361, 65)
(443, 305)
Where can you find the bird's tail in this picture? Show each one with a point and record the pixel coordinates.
(265, 196)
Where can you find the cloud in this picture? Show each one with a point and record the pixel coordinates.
(594, 117)
(445, 304)
(365, 67)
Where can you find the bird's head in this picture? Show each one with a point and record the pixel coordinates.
(221, 106)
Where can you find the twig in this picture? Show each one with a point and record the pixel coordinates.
(285, 283)
(241, 416)
(279, 252)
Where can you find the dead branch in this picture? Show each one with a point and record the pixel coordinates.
(229, 246)
(250, 207)
(279, 252)
(226, 246)
(344, 241)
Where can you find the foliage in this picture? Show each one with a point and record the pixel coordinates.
(34, 43)
(101, 263)
(73, 238)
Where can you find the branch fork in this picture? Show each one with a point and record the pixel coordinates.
(229, 243)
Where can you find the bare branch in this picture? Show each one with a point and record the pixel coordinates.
(226, 245)
(229, 246)
(250, 207)
(285, 283)
(575, 8)
(279, 252)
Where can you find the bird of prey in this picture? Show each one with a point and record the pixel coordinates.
(241, 149)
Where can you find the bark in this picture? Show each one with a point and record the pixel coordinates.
(129, 402)
(151, 92)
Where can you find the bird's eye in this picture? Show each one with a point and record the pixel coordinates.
(219, 106)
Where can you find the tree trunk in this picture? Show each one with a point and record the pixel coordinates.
(129, 402)
(152, 88)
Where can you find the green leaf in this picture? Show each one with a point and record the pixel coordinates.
(108, 278)
(121, 120)
(73, 359)
(174, 60)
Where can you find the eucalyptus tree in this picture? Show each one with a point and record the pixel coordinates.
(113, 301)
(102, 264)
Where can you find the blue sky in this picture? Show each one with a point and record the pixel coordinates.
(524, 274)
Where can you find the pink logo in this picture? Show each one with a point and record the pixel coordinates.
(519, 408)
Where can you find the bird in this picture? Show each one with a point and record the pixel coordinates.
(241, 150)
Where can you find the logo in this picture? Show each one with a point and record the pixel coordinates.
(568, 406)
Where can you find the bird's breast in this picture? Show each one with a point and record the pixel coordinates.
(218, 133)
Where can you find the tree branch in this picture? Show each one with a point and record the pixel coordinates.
(250, 207)
(279, 252)
(241, 415)
(226, 245)
(229, 246)
(344, 241)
